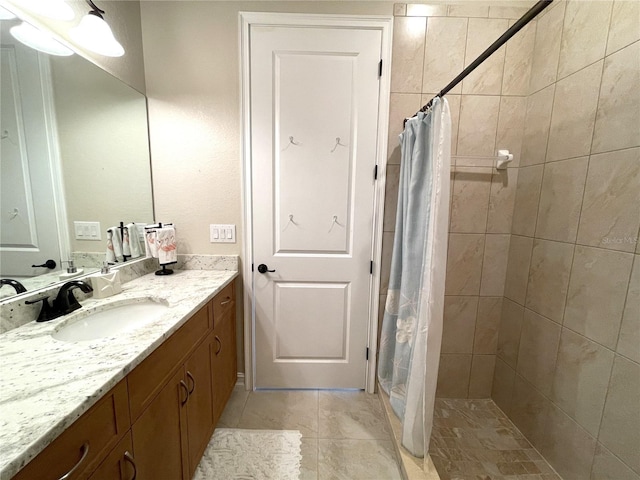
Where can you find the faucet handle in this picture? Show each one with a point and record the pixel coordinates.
(47, 312)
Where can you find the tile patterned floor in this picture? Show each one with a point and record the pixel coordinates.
(474, 440)
(344, 434)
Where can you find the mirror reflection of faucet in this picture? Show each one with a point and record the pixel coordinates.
(64, 303)
(13, 283)
(72, 270)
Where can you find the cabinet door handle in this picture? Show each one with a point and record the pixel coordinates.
(129, 458)
(219, 344)
(85, 452)
(228, 300)
(186, 391)
(193, 382)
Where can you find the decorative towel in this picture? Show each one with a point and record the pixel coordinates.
(116, 241)
(111, 256)
(166, 243)
(150, 246)
(134, 240)
(126, 248)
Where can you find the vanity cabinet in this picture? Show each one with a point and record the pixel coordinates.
(223, 349)
(119, 464)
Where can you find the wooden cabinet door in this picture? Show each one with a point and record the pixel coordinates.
(119, 464)
(160, 434)
(199, 411)
(223, 362)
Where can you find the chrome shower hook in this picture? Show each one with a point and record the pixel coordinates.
(291, 142)
(336, 145)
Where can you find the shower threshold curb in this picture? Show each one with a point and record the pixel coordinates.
(412, 468)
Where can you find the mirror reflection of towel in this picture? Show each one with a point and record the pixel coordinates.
(116, 242)
(150, 246)
(134, 240)
(166, 244)
(111, 256)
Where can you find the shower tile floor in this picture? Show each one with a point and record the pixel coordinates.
(344, 433)
(474, 440)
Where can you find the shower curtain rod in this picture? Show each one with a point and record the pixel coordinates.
(504, 38)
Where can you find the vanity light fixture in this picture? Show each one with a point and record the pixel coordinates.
(55, 9)
(6, 14)
(37, 39)
(94, 34)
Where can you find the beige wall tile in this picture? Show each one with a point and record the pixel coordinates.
(478, 125)
(629, 339)
(487, 325)
(444, 54)
(507, 12)
(401, 106)
(501, 200)
(470, 201)
(468, 10)
(618, 119)
(486, 79)
(453, 376)
(567, 446)
(561, 199)
(481, 380)
(606, 466)
(536, 129)
(502, 387)
(574, 113)
(464, 264)
(494, 266)
(610, 215)
(510, 329)
(408, 52)
(544, 66)
(459, 324)
(581, 379)
(620, 430)
(538, 349)
(584, 36)
(625, 25)
(597, 291)
(511, 126)
(385, 261)
(391, 197)
(525, 210)
(423, 10)
(549, 278)
(517, 65)
(517, 277)
(528, 410)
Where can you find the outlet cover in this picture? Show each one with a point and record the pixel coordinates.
(220, 233)
(87, 231)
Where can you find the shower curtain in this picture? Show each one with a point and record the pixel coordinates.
(412, 323)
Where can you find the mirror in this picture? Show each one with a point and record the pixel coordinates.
(75, 148)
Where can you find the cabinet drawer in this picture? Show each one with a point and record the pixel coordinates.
(85, 443)
(148, 378)
(223, 302)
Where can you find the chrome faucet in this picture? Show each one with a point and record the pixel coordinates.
(64, 303)
(14, 283)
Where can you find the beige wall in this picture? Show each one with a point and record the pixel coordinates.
(124, 18)
(487, 114)
(568, 367)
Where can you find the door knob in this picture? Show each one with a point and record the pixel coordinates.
(262, 268)
(50, 264)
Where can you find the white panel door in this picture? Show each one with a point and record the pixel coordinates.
(28, 222)
(314, 114)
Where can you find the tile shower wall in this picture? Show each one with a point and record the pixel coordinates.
(431, 45)
(567, 371)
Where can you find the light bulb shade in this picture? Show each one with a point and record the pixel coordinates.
(39, 40)
(94, 34)
(55, 9)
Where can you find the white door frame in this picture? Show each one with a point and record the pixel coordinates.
(385, 25)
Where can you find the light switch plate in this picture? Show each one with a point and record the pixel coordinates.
(87, 231)
(220, 233)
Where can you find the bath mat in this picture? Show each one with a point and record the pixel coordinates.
(239, 454)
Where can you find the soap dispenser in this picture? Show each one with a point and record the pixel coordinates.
(71, 272)
(106, 283)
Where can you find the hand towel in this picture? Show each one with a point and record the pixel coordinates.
(134, 240)
(126, 247)
(111, 256)
(116, 241)
(150, 245)
(167, 247)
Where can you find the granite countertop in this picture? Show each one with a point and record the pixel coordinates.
(46, 384)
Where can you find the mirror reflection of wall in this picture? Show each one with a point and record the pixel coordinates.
(74, 148)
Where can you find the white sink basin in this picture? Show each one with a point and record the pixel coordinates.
(110, 320)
